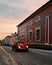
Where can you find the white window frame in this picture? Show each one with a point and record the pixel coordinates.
(29, 35)
(22, 35)
(30, 22)
(35, 33)
(37, 19)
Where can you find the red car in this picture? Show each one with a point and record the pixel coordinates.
(20, 46)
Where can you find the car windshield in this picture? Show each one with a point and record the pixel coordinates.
(19, 42)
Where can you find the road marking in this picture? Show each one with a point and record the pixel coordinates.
(10, 59)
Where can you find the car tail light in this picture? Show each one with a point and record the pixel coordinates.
(27, 46)
(19, 47)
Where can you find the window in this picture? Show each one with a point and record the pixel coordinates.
(30, 22)
(23, 35)
(30, 35)
(37, 18)
(37, 34)
(22, 27)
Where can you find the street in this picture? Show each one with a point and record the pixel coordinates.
(6, 58)
(32, 57)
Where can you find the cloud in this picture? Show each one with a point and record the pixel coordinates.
(12, 12)
(18, 8)
(9, 11)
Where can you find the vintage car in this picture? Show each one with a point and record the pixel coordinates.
(20, 46)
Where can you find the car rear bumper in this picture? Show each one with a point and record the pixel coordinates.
(19, 49)
(22, 49)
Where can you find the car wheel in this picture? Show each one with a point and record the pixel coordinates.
(26, 50)
(12, 49)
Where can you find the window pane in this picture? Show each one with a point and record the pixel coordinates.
(38, 34)
(30, 35)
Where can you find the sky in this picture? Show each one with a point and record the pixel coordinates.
(13, 12)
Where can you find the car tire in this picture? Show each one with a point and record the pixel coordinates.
(12, 49)
(26, 50)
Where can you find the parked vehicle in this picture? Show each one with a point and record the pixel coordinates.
(20, 46)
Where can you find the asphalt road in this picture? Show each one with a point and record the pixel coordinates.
(32, 57)
(1, 58)
(6, 58)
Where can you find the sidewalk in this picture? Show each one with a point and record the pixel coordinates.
(6, 58)
(40, 51)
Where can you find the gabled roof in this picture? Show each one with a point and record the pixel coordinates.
(36, 12)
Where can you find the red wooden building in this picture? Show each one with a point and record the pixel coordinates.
(37, 28)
